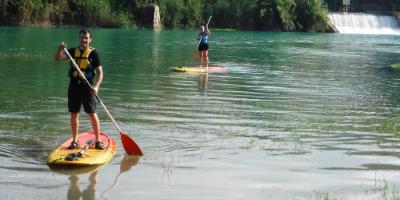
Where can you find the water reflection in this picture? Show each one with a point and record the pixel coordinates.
(202, 82)
(126, 164)
(155, 51)
(89, 192)
(74, 192)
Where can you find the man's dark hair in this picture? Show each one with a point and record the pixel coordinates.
(84, 31)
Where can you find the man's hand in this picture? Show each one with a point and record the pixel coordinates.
(60, 53)
(61, 46)
(95, 90)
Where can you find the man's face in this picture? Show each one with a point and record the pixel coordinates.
(85, 40)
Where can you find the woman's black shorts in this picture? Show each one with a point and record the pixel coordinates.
(203, 47)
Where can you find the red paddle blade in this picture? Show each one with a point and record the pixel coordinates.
(130, 146)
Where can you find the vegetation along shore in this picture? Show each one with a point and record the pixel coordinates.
(265, 15)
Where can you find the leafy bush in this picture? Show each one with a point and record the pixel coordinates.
(286, 10)
(287, 15)
(312, 15)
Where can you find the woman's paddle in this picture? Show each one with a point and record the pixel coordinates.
(197, 46)
(129, 145)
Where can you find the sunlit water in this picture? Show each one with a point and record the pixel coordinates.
(296, 116)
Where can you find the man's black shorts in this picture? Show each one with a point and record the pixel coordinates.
(80, 93)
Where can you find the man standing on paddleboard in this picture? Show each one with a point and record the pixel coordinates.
(79, 92)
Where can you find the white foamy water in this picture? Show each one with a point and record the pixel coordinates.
(364, 23)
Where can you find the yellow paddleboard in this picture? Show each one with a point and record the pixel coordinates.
(199, 69)
(395, 66)
(89, 156)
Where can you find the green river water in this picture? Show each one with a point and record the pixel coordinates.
(296, 116)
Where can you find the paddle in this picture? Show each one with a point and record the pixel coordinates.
(75, 156)
(197, 46)
(130, 146)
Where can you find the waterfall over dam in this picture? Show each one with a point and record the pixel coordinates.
(364, 23)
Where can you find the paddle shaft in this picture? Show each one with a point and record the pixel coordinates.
(97, 97)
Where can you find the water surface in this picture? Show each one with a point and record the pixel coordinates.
(296, 116)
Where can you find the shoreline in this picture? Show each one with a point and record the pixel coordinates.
(145, 28)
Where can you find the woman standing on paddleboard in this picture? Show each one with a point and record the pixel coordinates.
(79, 92)
(203, 45)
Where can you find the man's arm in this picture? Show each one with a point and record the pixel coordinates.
(60, 53)
(99, 79)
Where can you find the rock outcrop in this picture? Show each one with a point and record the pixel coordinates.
(150, 16)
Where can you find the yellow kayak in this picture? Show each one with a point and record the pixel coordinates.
(85, 155)
(199, 69)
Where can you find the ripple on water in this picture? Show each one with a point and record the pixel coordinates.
(291, 107)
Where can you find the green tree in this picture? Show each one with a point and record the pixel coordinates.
(191, 13)
(286, 9)
(312, 15)
(171, 12)
(287, 15)
(16, 12)
(266, 15)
